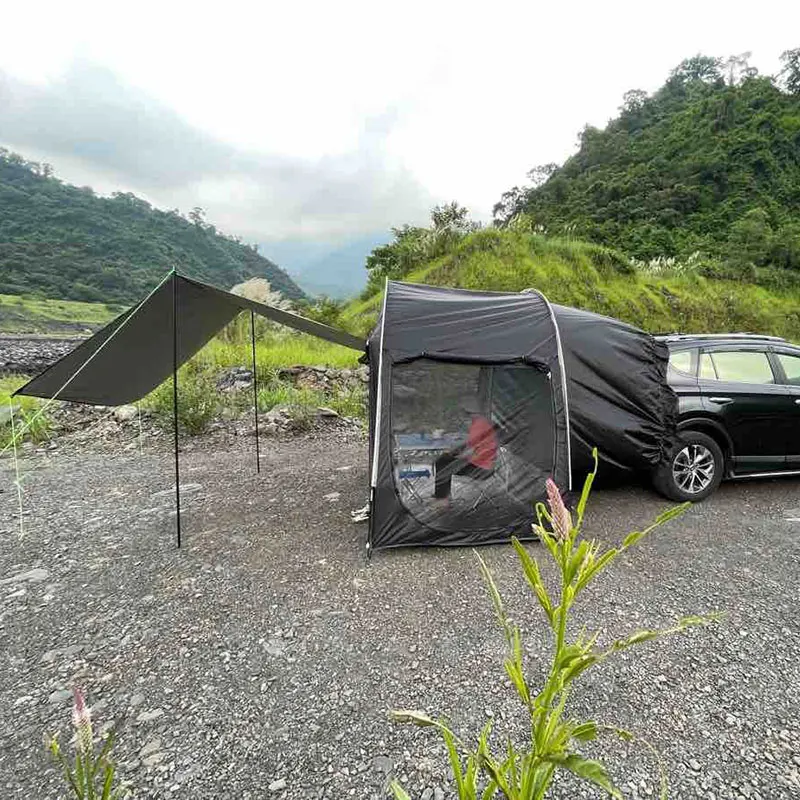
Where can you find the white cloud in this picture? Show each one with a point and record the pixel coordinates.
(318, 118)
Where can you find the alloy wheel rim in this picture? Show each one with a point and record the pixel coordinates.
(693, 468)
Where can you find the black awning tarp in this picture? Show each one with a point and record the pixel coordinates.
(133, 354)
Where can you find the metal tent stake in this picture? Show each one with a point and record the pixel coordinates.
(255, 385)
(175, 399)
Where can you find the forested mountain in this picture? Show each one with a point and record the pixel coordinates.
(65, 242)
(710, 162)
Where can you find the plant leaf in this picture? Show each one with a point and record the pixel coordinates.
(578, 666)
(586, 576)
(534, 577)
(576, 561)
(415, 717)
(631, 539)
(585, 731)
(399, 792)
(665, 516)
(497, 601)
(656, 633)
(587, 489)
(589, 770)
(108, 781)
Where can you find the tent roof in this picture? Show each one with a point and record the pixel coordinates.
(133, 354)
(462, 324)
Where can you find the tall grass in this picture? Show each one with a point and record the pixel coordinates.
(30, 425)
(275, 351)
(199, 400)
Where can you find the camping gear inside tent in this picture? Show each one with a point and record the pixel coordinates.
(543, 384)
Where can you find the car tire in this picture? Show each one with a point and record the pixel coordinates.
(694, 469)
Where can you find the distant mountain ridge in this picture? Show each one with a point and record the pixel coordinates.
(65, 242)
(335, 269)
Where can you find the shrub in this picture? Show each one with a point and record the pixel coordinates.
(526, 773)
(198, 400)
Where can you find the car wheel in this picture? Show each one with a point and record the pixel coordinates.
(693, 471)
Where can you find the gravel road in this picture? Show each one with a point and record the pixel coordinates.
(259, 660)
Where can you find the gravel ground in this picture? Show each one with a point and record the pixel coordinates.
(260, 659)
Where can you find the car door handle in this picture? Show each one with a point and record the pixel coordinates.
(797, 402)
(723, 401)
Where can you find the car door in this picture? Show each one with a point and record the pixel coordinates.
(738, 385)
(786, 363)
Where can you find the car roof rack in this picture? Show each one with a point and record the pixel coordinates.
(673, 337)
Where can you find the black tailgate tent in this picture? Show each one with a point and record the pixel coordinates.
(437, 358)
(552, 381)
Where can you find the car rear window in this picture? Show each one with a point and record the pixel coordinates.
(737, 366)
(681, 361)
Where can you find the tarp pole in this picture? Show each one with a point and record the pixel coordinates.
(255, 385)
(175, 400)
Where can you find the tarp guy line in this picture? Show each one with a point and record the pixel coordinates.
(86, 363)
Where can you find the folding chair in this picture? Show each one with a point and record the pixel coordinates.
(413, 478)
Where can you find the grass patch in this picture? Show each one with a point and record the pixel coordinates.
(275, 350)
(27, 314)
(26, 413)
(345, 402)
(200, 402)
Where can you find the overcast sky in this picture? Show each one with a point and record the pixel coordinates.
(332, 119)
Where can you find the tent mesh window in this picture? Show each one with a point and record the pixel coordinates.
(471, 444)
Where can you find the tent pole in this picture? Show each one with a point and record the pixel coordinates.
(255, 385)
(175, 400)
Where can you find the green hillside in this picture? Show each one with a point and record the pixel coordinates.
(596, 278)
(710, 163)
(61, 241)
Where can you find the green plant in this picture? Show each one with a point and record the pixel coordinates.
(525, 773)
(36, 424)
(301, 416)
(32, 422)
(349, 403)
(198, 400)
(92, 775)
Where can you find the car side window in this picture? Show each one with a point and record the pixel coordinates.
(738, 366)
(707, 367)
(791, 366)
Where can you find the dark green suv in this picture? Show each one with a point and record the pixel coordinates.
(739, 411)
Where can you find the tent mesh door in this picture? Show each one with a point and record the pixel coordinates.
(472, 444)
